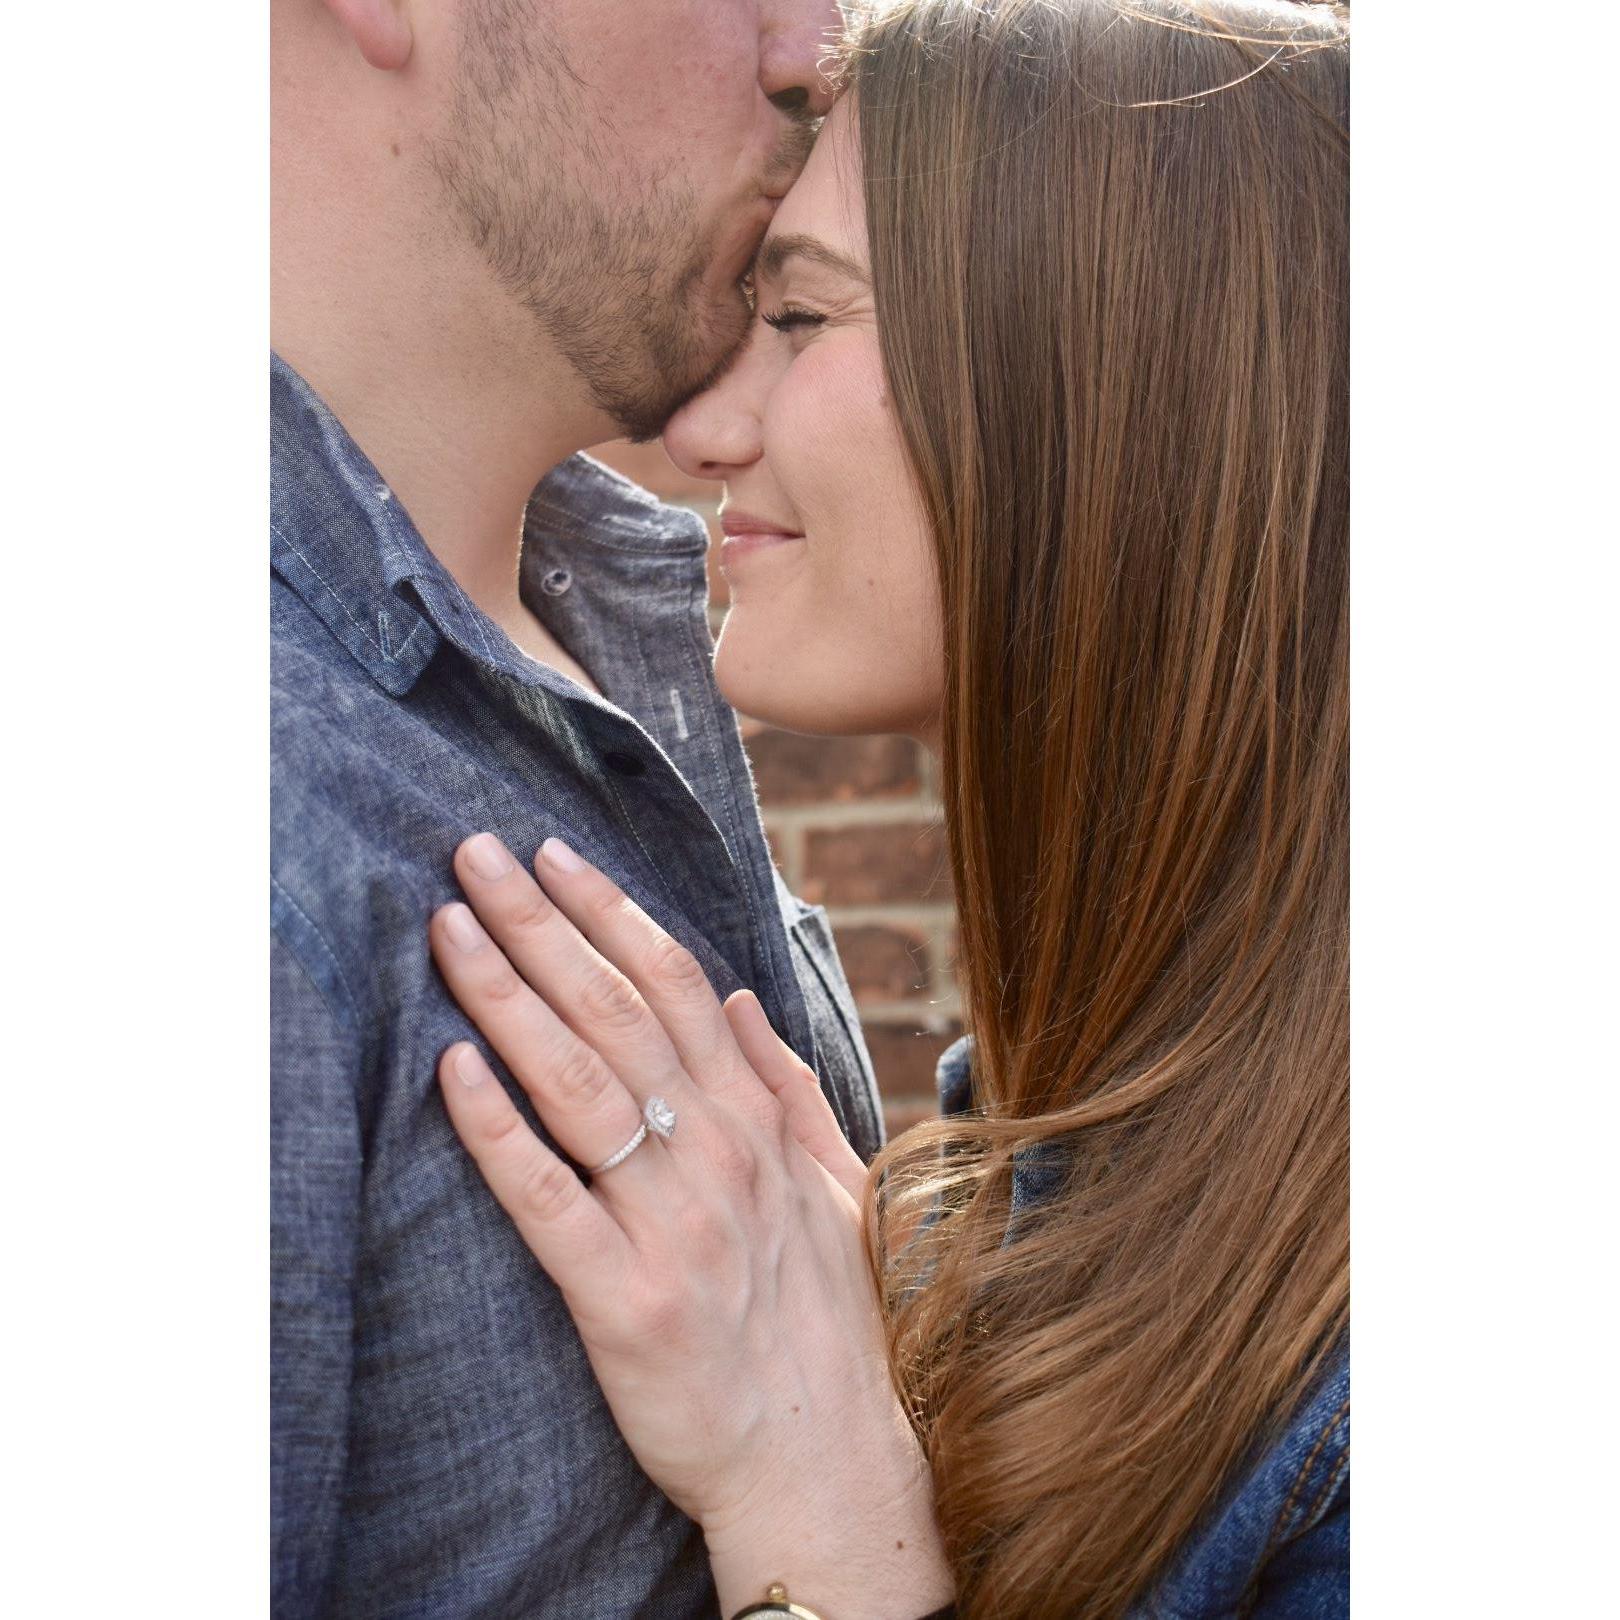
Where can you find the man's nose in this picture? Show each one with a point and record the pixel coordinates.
(798, 37)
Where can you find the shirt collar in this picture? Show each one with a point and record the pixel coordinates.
(343, 542)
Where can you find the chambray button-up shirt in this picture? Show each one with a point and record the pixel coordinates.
(439, 1444)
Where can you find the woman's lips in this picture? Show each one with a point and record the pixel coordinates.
(745, 533)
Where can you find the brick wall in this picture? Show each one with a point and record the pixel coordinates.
(854, 823)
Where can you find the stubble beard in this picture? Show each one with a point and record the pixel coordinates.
(612, 266)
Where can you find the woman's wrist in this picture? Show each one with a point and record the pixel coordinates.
(866, 1551)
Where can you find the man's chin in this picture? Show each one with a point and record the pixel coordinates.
(724, 327)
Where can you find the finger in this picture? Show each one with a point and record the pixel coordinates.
(670, 979)
(579, 1099)
(568, 1231)
(585, 990)
(794, 1084)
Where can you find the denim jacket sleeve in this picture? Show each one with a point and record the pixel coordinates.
(1303, 1572)
(315, 1175)
(1278, 1545)
(1306, 1579)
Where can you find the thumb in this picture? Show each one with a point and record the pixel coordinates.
(794, 1085)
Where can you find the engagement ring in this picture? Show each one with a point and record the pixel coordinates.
(624, 1152)
(659, 1117)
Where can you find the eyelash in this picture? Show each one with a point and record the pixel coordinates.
(790, 316)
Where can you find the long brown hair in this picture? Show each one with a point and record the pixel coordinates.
(1109, 243)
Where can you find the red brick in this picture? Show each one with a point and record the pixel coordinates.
(790, 769)
(901, 1113)
(904, 1055)
(779, 845)
(884, 963)
(650, 467)
(876, 862)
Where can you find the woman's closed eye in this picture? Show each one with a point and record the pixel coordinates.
(790, 316)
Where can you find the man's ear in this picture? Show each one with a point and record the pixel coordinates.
(379, 27)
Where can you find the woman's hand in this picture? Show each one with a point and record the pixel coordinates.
(718, 1278)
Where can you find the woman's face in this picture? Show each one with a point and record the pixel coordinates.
(835, 622)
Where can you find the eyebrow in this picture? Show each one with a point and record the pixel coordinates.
(779, 249)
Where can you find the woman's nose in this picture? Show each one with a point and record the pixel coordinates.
(716, 433)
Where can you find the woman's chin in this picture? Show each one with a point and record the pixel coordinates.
(758, 691)
(805, 695)
(775, 692)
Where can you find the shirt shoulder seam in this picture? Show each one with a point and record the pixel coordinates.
(295, 940)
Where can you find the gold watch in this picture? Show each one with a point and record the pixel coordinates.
(776, 1602)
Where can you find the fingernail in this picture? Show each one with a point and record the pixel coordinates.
(487, 856)
(471, 1069)
(558, 854)
(463, 929)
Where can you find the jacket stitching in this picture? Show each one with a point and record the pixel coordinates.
(1279, 1528)
(1251, 1592)
(1327, 1490)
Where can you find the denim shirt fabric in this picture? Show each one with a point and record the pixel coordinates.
(439, 1444)
(1277, 1544)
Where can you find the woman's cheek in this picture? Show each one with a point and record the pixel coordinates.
(875, 581)
(847, 641)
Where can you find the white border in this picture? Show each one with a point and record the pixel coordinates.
(135, 657)
(135, 653)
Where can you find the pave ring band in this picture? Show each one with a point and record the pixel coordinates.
(658, 1117)
(624, 1152)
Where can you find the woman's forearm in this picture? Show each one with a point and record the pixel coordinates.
(868, 1553)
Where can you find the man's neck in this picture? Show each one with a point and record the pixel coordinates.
(449, 388)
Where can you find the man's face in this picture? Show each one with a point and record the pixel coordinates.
(616, 163)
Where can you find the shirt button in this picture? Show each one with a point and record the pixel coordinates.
(555, 581)
(624, 764)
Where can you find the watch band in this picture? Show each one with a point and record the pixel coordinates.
(776, 1602)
